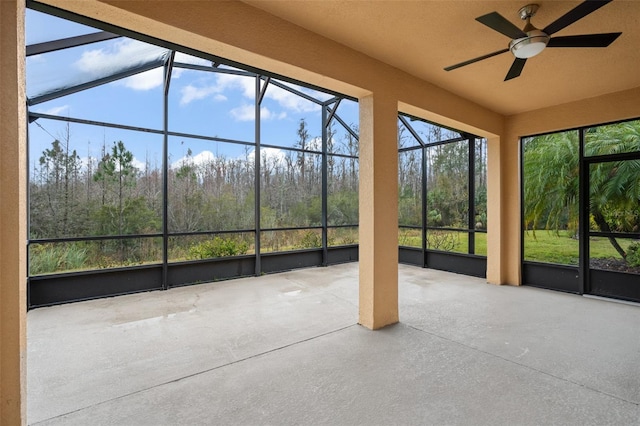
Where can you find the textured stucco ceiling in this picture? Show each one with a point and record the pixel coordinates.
(423, 37)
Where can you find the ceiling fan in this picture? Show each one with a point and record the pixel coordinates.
(530, 41)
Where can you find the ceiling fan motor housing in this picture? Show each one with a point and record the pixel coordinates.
(529, 46)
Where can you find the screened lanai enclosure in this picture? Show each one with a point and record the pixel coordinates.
(153, 166)
(442, 197)
(581, 215)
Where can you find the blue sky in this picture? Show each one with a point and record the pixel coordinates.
(220, 105)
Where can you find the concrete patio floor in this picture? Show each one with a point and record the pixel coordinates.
(286, 349)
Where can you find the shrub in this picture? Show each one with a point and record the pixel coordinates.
(310, 239)
(218, 247)
(442, 240)
(410, 237)
(346, 241)
(633, 254)
(48, 258)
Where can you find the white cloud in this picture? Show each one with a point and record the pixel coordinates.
(271, 116)
(272, 155)
(188, 59)
(200, 159)
(177, 72)
(145, 80)
(236, 82)
(36, 59)
(55, 110)
(284, 98)
(123, 55)
(94, 61)
(247, 112)
(223, 82)
(192, 93)
(246, 85)
(314, 144)
(244, 112)
(290, 101)
(85, 161)
(90, 60)
(138, 164)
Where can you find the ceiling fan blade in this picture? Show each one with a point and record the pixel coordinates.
(471, 61)
(587, 40)
(575, 14)
(497, 22)
(516, 69)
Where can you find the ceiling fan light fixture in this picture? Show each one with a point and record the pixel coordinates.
(529, 46)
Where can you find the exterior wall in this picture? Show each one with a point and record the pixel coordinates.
(602, 109)
(12, 214)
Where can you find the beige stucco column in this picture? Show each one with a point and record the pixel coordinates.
(378, 211)
(510, 208)
(495, 223)
(503, 210)
(12, 214)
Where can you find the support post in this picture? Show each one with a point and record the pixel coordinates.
(378, 202)
(471, 144)
(168, 69)
(13, 213)
(257, 177)
(325, 185)
(495, 256)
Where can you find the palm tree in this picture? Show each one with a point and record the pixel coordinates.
(614, 196)
(551, 175)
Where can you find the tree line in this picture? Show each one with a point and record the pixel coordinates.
(447, 182)
(111, 196)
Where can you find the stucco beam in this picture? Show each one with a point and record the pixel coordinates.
(242, 33)
(601, 109)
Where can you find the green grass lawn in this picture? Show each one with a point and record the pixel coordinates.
(457, 242)
(545, 246)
